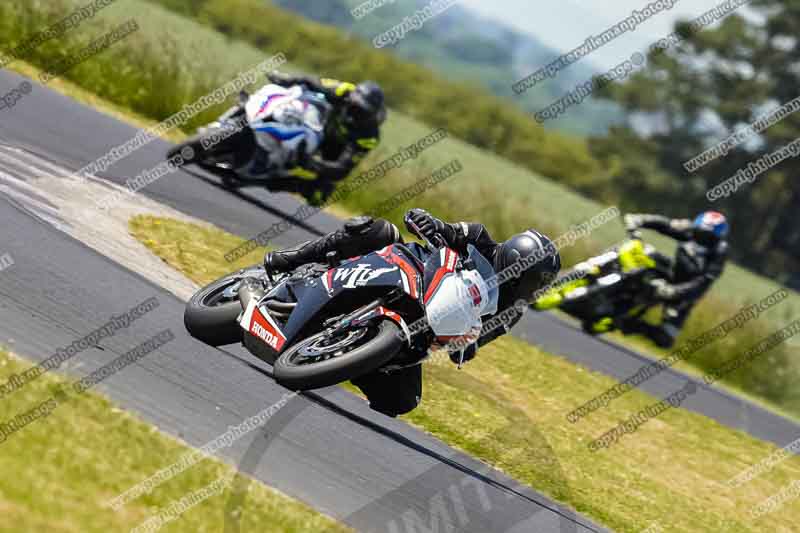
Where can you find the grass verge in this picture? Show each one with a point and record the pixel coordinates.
(508, 409)
(59, 470)
(89, 98)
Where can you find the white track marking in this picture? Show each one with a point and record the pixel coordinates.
(53, 194)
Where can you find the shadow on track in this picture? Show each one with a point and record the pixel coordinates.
(480, 503)
(256, 202)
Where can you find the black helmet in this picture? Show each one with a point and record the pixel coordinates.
(540, 260)
(367, 102)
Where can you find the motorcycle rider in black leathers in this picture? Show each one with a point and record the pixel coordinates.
(699, 261)
(400, 391)
(350, 133)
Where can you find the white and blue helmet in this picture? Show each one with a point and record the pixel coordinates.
(710, 227)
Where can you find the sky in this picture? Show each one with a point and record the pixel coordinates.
(565, 24)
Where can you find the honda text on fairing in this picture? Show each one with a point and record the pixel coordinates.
(608, 289)
(262, 141)
(324, 324)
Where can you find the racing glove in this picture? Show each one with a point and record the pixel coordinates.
(427, 224)
(663, 290)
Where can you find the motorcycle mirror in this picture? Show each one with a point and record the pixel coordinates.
(243, 97)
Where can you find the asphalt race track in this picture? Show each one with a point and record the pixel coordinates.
(327, 449)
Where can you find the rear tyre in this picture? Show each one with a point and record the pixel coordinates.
(210, 315)
(215, 144)
(318, 362)
(191, 151)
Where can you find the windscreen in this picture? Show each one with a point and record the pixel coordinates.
(486, 271)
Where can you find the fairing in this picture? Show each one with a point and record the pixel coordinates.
(379, 272)
(456, 299)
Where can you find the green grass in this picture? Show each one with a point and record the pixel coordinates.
(188, 248)
(787, 405)
(59, 471)
(508, 408)
(185, 59)
(85, 96)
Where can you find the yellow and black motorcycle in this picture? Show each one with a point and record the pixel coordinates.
(603, 291)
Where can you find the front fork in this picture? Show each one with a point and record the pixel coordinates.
(367, 313)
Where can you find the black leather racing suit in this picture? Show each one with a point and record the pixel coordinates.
(400, 391)
(695, 269)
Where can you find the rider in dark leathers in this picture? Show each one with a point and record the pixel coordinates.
(699, 261)
(400, 391)
(350, 133)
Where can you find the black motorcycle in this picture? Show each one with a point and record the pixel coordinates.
(603, 291)
(324, 324)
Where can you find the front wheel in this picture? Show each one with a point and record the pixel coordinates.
(323, 360)
(210, 315)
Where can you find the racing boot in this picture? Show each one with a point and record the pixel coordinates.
(355, 235)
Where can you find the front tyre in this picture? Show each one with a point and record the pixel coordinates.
(321, 361)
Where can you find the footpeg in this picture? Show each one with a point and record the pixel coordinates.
(332, 258)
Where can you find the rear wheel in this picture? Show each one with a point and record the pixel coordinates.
(190, 151)
(215, 145)
(323, 360)
(211, 313)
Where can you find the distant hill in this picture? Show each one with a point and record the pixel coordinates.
(460, 44)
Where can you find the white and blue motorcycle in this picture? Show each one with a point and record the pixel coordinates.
(263, 141)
